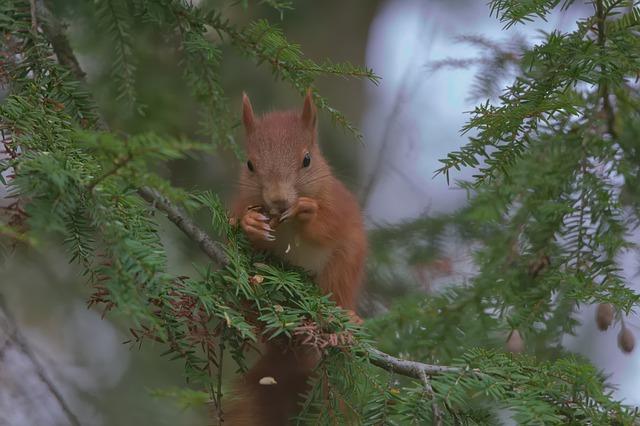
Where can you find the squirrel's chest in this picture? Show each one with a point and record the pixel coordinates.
(296, 250)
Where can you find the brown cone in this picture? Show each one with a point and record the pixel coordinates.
(514, 343)
(626, 341)
(604, 316)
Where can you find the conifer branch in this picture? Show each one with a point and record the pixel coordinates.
(66, 57)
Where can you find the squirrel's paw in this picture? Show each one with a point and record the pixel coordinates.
(256, 226)
(304, 210)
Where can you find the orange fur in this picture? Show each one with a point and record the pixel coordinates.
(324, 234)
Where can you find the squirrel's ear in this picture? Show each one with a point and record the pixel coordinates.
(309, 111)
(247, 113)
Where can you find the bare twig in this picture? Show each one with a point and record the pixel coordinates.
(213, 249)
(34, 19)
(407, 368)
(15, 336)
(117, 165)
(437, 415)
(607, 108)
(54, 31)
(219, 384)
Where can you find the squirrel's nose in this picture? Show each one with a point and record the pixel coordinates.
(279, 205)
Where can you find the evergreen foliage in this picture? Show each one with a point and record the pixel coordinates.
(547, 211)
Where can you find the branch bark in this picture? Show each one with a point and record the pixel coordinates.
(603, 87)
(408, 368)
(437, 415)
(53, 29)
(213, 249)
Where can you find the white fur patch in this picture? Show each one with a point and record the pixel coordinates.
(290, 246)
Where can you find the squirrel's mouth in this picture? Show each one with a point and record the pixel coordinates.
(278, 206)
(274, 219)
(278, 210)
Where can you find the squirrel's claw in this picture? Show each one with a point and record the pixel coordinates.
(304, 209)
(254, 226)
(287, 214)
(261, 217)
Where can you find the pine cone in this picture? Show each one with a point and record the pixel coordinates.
(604, 316)
(626, 341)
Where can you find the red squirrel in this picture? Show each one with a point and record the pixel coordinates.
(320, 229)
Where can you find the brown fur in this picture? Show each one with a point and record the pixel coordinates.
(326, 237)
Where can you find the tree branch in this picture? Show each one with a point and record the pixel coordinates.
(437, 415)
(408, 368)
(54, 31)
(213, 249)
(603, 87)
(34, 19)
(15, 336)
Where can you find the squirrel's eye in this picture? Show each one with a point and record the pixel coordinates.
(307, 160)
(250, 165)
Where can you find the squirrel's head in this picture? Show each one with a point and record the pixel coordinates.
(283, 158)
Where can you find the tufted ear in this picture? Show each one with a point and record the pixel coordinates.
(309, 112)
(247, 114)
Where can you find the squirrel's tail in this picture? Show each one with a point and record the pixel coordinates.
(269, 394)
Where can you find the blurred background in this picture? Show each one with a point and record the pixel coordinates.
(409, 121)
